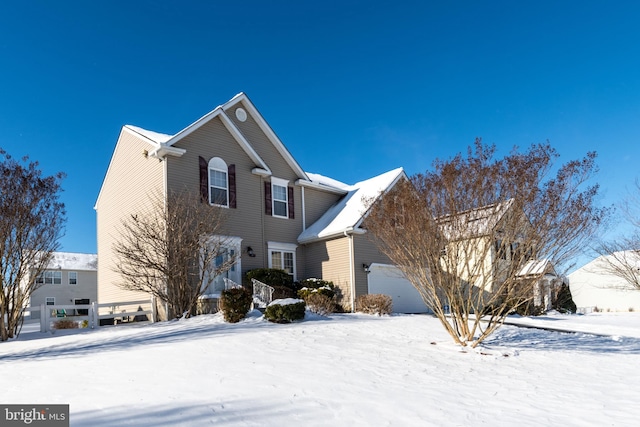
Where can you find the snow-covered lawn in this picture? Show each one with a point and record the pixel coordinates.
(345, 370)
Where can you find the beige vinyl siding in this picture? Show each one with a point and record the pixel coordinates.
(316, 203)
(248, 220)
(131, 178)
(365, 252)
(329, 260)
(64, 293)
(262, 145)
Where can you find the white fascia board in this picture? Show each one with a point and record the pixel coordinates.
(311, 184)
(194, 126)
(264, 126)
(348, 230)
(235, 132)
(261, 172)
(164, 150)
(400, 176)
(106, 175)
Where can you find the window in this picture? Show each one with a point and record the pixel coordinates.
(218, 182)
(49, 278)
(229, 250)
(278, 198)
(279, 194)
(501, 249)
(73, 278)
(50, 301)
(283, 256)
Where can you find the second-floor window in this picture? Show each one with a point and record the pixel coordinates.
(73, 278)
(49, 278)
(279, 198)
(218, 182)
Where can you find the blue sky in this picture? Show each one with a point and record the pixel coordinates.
(352, 88)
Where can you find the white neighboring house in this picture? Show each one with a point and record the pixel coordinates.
(593, 286)
(547, 285)
(71, 278)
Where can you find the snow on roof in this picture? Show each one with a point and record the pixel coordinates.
(329, 182)
(160, 138)
(73, 261)
(475, 222)
(536, 267)
(348, 211)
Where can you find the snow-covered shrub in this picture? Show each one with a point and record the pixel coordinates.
(374, 304)
(285, 310)
(316, 286)
(235, 304)
(65, 324)
(320, 304)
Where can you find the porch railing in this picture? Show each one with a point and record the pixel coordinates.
(262, 294)
(230, 284)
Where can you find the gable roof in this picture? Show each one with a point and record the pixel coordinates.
(347, 214)
(166, 142)
(73, 261)
(474, 222)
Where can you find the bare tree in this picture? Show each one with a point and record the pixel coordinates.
(471, 235)
(173, 249)
(31, 223)
(621, 257)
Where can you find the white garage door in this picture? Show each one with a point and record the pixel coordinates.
(389, 280)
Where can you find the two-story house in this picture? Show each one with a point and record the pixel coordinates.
(70, 278)
(283, 217)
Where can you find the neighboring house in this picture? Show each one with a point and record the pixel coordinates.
(548, 284)
(280, 216)
(70, 278)
(592, 286)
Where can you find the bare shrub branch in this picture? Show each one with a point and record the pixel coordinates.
(471, 234)
(31, 223)
(173, 250)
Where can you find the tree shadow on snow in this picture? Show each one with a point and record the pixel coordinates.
(536, 339)
(132, 336)
(232, 412)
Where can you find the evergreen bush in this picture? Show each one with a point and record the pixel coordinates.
(271, 276)
(235, 304)
(374, 304)
(316, 286)
(564, 301)
(285, 311)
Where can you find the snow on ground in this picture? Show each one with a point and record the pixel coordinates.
(344, 370)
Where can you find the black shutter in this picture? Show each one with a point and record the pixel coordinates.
(232, 186)
(204, 179)
(290, 202)
(267, 198)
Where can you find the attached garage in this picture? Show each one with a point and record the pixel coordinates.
(389, 280)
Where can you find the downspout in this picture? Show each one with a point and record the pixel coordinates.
(304, 219)
(165, 195)
(352, 271)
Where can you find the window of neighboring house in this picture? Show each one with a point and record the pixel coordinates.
(501, 249)
(73, 278)
(49, 278)
(283, 256)
(218, 182)
(50, 301)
